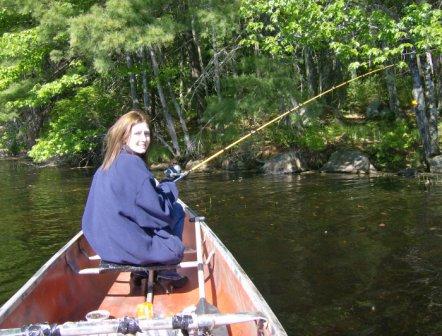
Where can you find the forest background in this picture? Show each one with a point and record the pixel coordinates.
(208, 71)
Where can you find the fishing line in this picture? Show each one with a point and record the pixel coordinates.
(279, 117)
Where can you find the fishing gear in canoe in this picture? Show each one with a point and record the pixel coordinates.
(127, 325)
(279, 117)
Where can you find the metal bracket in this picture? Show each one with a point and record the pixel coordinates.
(209, 257)
(84, 252)
(197, 219)
(72, 265)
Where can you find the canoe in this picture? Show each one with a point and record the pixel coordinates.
(59, 294)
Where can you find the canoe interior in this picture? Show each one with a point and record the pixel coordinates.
(57, 294)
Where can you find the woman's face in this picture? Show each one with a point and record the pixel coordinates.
(139, 138)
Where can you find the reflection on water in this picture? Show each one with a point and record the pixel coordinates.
(332, 254)
(39, 212)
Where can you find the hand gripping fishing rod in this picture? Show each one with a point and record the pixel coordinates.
(244, 137)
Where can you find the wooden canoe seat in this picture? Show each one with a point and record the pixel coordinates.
(187, 250)
(106, 266)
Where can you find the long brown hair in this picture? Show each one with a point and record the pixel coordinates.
(118, 134)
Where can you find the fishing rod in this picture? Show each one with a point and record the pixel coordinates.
(180, 175)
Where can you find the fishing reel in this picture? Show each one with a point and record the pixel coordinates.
(174, 173)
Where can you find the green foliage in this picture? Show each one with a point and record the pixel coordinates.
(317, 136)
(158, 154)
(422, 25)
(280, 26)
(10, 95)
(30, 80)
(20, 53)
(77, 127)
(106, 33)
(361, 93)
(390, 145)
(218, 21)
(249, 100)
(257, 98)
(8, 139)
(9, 17)
(41, 95)
(358, 33)
(395, 145)
(64, 73)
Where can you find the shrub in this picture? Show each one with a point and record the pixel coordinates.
(77, 127)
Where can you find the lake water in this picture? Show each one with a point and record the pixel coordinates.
(331, 254)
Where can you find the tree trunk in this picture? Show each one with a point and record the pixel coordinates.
(430, 98)
(132, 81)
(323, 69)
(419, 99)
(320, 70)
(393, 101)
(299, 122)
(197, 45)
(438, 79)
(200, 57)
(257, 53)
(310, 72)
(146, 100)
(216, 66)
(194, 62)
(167, 116)
(181, 82)
(179, 112)
(34, 123)
(337, 75)
(159, 137)
(298, 76)
(233, 64)
(195, 71)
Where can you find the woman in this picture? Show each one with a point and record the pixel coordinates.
(129, 218)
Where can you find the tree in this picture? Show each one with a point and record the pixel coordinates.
(33, 72)
(360, 35)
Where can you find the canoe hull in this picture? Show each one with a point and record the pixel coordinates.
(57, 293)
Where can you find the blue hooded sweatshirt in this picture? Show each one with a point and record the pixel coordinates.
(128, 218)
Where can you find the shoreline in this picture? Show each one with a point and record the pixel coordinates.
(158, 167)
